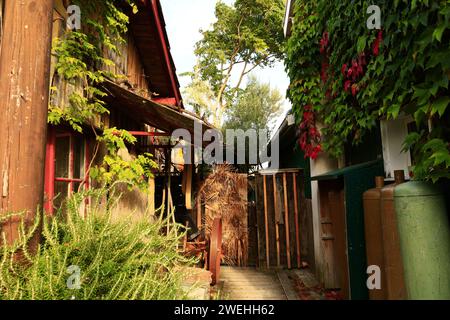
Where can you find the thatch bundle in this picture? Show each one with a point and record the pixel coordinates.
(224, 194)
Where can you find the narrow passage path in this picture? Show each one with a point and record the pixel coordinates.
(250, 284)
(254, 284)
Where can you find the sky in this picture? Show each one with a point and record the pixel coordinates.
(184, 19)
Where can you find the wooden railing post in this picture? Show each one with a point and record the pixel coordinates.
(24, 90)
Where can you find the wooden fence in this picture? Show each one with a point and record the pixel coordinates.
(278, 219)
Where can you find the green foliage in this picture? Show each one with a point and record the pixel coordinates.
(255, 107)
(246, 35)
(199, 95)
(434, 158)
(116, 167)
(410, 75)
(81, 62)
(121, 259)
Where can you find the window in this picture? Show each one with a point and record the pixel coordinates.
(66, 166)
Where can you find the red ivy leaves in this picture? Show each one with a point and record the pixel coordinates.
(325, 52)
(355, 71)
(376, 43)
(324, 42)
(309, 138)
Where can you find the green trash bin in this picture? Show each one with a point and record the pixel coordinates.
(424, 234)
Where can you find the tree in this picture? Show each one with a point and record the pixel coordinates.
(200, 96)
(245, 36)
(256, 107)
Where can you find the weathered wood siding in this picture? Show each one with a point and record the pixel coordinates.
(127, 63)
(60, 89)
(1, 23)
(136, 73)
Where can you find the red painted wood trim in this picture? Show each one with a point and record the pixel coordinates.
(49, 183)
(166, 101)
(164, 44)
(149, 134)
(69, 180)
(71, 164)
(87, 161)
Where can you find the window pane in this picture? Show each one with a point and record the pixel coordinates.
(76, 186)
(61, 193)
(62, 157)
(78, 159)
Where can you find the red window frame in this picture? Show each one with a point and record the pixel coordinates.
(50, 166)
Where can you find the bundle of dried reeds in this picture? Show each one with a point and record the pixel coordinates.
(224, 194)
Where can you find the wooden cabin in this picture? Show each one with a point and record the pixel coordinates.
(147, 104)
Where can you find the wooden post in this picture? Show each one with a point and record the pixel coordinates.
(185, 238)
(286, 222)
(297, 232)
(266, 222)
(24, 90)
(277, 231)
(151, 195)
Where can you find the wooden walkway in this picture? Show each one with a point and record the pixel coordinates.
(250, 284)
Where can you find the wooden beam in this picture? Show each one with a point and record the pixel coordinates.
(151, 195)
(24, 90)
(286, 222)
(266, 223)
(277, 230)
(199, 212)
(297, 231)
(149, 134)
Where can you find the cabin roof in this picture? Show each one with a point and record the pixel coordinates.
(149, 112)
(148, 29)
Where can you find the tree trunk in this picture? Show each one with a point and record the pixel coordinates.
(24, 89)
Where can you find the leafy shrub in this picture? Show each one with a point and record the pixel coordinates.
(116, 259)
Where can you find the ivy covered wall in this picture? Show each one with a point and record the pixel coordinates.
(348, 77)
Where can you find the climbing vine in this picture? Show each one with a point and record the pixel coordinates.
(82, 63)
(350, 77)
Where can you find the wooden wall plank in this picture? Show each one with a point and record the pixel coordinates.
(286, 222)
(266, 223)
(277, 229)
(296, 217)
(259, 195)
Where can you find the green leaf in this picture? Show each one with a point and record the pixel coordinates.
(361, 44)
(437, 33)
(440, 105)
(394, 110)
(441, 157)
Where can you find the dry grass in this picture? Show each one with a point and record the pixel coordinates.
(224, 194)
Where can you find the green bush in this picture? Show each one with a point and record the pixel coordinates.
(116, 259)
